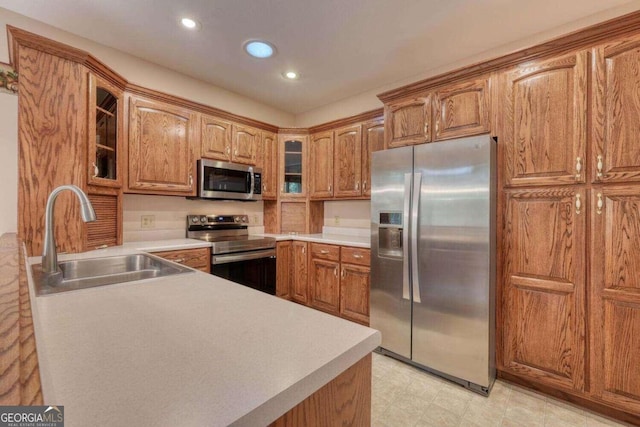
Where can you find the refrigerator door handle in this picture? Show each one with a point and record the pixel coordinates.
(417, 182)
(405, 236)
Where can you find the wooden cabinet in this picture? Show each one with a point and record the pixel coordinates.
(268, 161)
(299, 280)
(372, 140)
(355, 284)
(199, 258)
(106, 230)
(347, 161)
(616, 111)
(615, 295)
(215, 138)
(284, 269)
(244, 144)
(106, 112)
(543, 319)
(229, 142)
(324, 280)
(161, 141)
(462, 109)
(292, 165)
(545, 122)
(321, 165)
(408, 122)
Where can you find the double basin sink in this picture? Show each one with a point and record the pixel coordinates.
(91, 272)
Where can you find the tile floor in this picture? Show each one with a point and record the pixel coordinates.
(404, 396)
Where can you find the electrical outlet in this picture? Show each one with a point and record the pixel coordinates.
(147, 221)
(256, 219)
(336, 220)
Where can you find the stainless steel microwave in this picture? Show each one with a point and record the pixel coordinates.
(228, 181)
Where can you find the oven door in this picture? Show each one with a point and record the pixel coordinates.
(222, 180)
(256, 269)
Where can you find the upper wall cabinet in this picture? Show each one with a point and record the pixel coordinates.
(347, 161)
(245, 142)
(105, 132)
(616, 112)
(215, 138)
(293, 165)
(462, 109)
(161, 141)
(408, 122)
(321, 150)
(545, 122)
(268, 161)
(372, 140)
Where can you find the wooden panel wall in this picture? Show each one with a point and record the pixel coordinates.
(52, 136)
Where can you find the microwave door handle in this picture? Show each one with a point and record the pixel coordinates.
(253, 182)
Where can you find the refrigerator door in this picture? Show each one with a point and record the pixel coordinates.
(391, 174)
(452, 320)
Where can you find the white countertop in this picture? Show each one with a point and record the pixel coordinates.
(188, 350)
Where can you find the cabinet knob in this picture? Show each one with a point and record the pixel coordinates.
(599, 166)
(578, 168)
(335, 271)
(342, 274)
(578, 204)
(95, 169)
(304, 249)
(228, 150)
(357, 186)
(329, 188)
(190, 180)
(364, 185)
(599, 204)
(264, 187)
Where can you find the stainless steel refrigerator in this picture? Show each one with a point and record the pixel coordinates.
(433, 257)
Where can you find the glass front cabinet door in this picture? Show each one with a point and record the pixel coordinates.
(105, 135)
(293, 164)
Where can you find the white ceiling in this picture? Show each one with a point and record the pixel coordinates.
(340, 47)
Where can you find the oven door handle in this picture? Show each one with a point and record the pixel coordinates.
(226, 259)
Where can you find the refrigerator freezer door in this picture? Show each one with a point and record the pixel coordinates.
(452, 330)
(390, 209)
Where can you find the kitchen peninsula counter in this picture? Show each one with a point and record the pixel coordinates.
(189, 350)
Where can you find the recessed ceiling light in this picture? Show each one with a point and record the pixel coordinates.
(291, 75)
(259, 48)
(189, 23)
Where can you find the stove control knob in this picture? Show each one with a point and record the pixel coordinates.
(237, 219)
(203, 219)
(195, 219)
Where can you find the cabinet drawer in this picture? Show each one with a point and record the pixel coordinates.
(196, 258)
(330, 252)
(360, 256)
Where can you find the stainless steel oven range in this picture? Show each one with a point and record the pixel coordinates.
(235, 255)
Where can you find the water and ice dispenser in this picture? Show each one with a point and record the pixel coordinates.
(390, 235)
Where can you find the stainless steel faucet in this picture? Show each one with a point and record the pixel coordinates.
(49, 254)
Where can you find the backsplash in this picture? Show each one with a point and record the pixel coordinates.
(165, 216)
(347, 214)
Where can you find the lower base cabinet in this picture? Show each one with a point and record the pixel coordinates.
(331, 278)
(199, 258)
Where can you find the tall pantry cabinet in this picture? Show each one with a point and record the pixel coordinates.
(570, 306)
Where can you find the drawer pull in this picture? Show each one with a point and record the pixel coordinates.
(342, 274)
(357, 256)
(304, 249)
(179, 260)
(324, 252)
(364, 185)
(335, 271)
